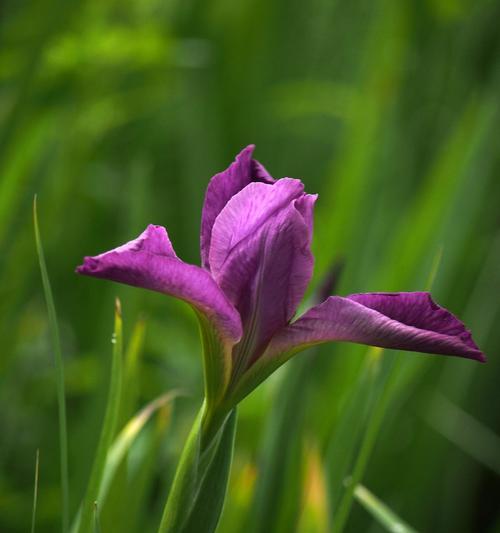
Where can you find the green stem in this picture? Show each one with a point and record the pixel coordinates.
(198, 491)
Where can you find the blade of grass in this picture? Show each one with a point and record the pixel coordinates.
(381, 512)
(385, 385)
(61, 396)
(97, 525)
(35, 491)
(351, 175)
(109, 425)
(116, 508)
(374, 423)
(341, 450)
(143, 474)
(126, 438)
(130, 371)
(463, 430)
(276, 501)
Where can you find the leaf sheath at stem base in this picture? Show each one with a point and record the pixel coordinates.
(198, 491)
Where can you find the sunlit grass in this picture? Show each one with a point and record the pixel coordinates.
(382, 513)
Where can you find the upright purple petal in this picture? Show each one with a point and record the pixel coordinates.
(223, 187)
(403, 321)
(245, 213)
(260, 256)
(150, 262)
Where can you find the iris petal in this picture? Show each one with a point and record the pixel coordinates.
(247, 212)
(223, 187)
(150, 262)
(403, 321)
(260, 256)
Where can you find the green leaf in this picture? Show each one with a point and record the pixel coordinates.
(383, 388)
(130, 371)
(117, 509)
(381, 512)
(210, 498)
(199, 487)
(465, 431)
(58, 360)
(96, 522)
(84, 520)
(348, 428)
(126, 438)
(143, 475)
(276, 503)
(35, 492)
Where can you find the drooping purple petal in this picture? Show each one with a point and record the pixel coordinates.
(223, 187)
(403, 321)
(260, 255)
(150, 262)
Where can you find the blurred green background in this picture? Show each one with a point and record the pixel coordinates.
(117, 113)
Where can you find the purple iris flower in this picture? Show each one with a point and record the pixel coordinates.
(256, 265)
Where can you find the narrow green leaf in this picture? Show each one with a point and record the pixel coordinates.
(58, 360)
(35, 492)
(199, 487)
(436, 263)
(117, 509)
(384, 388)
(211, 495)
(96, 522)
(351, 177)
(277, 494)
(381, 512)
(109, 426)
(463, 430)
(143, 474)
(348, 428)
(126, 438)
(184, 485)
(130, 370)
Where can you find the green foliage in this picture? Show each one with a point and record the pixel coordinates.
(117, 452)
(199, 487)
(117, 114)
(108, 431)
(59, 367)
(277, 495)
(389, 520)
(35, 492)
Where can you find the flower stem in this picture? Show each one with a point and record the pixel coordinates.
(197, 494)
